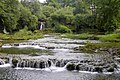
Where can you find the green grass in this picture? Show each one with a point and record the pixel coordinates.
(27, 51)
(115, 37)
(108, 41)
(4, 36)
(77, 36)
(91, 47)
(81, 36)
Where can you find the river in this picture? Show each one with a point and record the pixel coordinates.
(56, 58)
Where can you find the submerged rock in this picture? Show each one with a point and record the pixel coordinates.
(16, 44)
(42, 65)
(82, 67)
(110, 69)
(98, 69)
(50, 47)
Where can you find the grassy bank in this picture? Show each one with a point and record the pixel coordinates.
(81, 36)
(98, 47)
(108, 41)
(21, 35)
(115, 37)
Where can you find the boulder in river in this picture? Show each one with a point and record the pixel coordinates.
(14, 62)
(50, 47)
(98, 69)
(16, 44)
(110, 69)
(70, 67)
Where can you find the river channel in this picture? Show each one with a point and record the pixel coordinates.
(55, 58)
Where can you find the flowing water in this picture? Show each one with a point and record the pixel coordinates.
(55, 58)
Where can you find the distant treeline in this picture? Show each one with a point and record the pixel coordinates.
(75, 15)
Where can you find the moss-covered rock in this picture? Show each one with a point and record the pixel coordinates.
(14, 63)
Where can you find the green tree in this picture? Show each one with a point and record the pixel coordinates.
(48, 10)
(63, 15)
(53, 3)
(27, 19)
(10, 14)
(34, 6)
(81, 7)
(1, 16)
(107, 15)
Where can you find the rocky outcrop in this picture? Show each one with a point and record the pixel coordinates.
(92, 68)
(70, 65)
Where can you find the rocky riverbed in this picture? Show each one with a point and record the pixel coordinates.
(54, 54)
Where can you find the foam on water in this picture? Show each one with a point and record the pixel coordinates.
(5, 65)
(23, 46)
(61, 69)
(6, 46)
(48, 69)
(88, 72)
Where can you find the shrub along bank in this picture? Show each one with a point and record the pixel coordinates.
(21, 35)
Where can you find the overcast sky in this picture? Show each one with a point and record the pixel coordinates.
(39, 0)
(42, 1)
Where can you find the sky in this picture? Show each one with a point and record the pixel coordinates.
(42, 1)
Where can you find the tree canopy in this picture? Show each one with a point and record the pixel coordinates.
(77, 15)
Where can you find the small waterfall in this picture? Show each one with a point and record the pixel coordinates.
(41, 26)
(60, 65)
(5, 31)
(2, 62)
(39, 63)
(10, 60)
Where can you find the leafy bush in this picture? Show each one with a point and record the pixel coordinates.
(48, 30)
(62, 29)
(4, 36)
(21, 35)
(23, 32)
(25, 35)
(117, 31)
